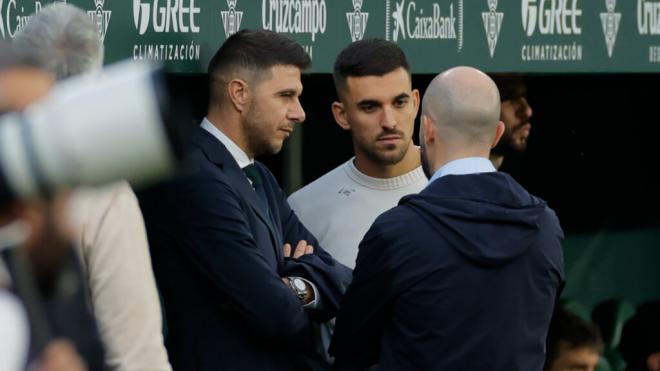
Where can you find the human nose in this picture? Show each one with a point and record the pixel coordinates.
(388, 120)
(296, 112)
(524, 109)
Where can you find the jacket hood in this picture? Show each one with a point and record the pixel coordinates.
(489, 218)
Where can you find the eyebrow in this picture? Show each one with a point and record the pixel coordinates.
(373, 102)
(288, 92)
(368, 102)
(402, 96)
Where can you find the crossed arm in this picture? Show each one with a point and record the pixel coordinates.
(215, 235)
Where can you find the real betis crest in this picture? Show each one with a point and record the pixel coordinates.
(610, 21)
(231, 19)
(493, 24)
(357, 21)
(100, 17)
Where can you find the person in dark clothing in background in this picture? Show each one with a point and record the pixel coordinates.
(640, 338)
(572, 343)
(515, 113)
(463, 275)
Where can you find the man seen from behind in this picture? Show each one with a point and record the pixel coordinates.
(463, 275)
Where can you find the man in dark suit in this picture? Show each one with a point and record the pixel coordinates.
(241, 277)
(463, 275)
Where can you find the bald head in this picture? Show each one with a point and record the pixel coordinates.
(464, 104)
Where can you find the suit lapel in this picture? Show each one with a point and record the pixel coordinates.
(220, 156)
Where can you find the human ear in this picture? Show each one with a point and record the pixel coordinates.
(427, 129)
(238, 92)
(415, 100)
(339, 113)
(499, 131)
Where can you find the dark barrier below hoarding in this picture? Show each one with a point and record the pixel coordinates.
(558, 36)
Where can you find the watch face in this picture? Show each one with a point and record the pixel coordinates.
(299, 284)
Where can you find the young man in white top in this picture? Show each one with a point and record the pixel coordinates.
(377, 105)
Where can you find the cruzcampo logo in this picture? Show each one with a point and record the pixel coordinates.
(100, 17)
(357, 21)
(231, 19)
(610, 21)
(493, 24)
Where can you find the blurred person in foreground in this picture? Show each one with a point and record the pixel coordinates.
(242, 279)
(640, 338)
(36, 227)
(463, 275)
(573, 344)
(515, 113)
(109, 233)
(377, 105)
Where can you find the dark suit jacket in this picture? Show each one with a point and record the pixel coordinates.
(462, 276)
(217, 255)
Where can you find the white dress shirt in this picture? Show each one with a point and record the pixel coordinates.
(236, 152)
(464, 166)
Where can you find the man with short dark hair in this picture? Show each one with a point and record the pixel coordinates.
(464, 274)
(640, 338)
(377, 105)
(242, 279)
(572, 344)
(515, 114)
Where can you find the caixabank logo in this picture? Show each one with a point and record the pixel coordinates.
(15, 14)
(541, 18)
(410, 21)
(100, 17)
(299, 18)
(166, 16)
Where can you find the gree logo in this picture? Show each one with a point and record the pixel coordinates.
(165, 16)
(529, 12)
(553, 17)
(2, 25)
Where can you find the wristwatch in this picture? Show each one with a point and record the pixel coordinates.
(299, 287)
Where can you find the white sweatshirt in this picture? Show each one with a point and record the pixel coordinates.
(339, 207)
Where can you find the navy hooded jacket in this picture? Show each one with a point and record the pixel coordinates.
(462, 276)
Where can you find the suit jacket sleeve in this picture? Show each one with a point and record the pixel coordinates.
(328, 275)
(367, 303)
(211, 228)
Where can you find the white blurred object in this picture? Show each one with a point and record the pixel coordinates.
(89, 130)
(14, 333)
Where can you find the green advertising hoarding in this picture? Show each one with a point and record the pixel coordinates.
(562, 36)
